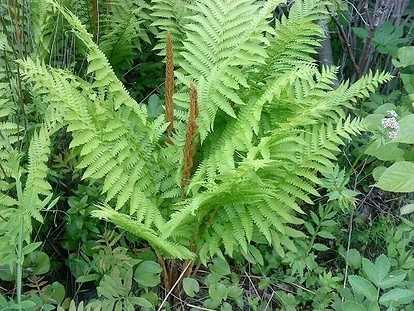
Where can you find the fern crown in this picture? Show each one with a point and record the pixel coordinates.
(268, 122)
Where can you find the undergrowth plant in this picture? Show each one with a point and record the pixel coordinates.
(393, 133)
(253, 123)
(24, 152)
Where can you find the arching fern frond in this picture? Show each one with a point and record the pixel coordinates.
(297, 37)
(99, 66)
(122, 157)
(136, 228)
(328, 104)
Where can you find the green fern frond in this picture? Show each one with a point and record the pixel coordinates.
(330, 104)
(238, 134)
(297, 37)
(170, 16)
(37, 170)
(126, 28)
(221, 41)
(143, 232)
(108, 150)
(100, 67)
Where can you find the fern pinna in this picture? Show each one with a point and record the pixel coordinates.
(268, 122)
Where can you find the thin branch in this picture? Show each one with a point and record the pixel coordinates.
(342, 37)
(251, 282)
(174, 286)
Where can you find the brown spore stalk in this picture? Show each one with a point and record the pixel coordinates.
(189, 147)
(169, 86)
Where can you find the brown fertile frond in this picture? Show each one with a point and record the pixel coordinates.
(189, 148)
(169, 86)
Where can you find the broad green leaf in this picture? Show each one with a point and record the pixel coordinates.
(405, 57)
(226, 307)
(406, 134)
(142, 302)
(37, 263)
(88, 278)
(398, 178)
(363, 287)
(373, 121)
(385, 152)
(152, 297)
(54, 292)
(370, 270)
(393, 279)
(354, 258)
(7, 273)
(409, 153)
(154, 107)
(378, 171)
(408, 81)
(382, 266)
(326, 235)
(354, 306)
(383, 109)
(373, 306)
(190, 286)
(31, 248)
(220, 267)
(320, 247)
(147, 274)
(397, 296)
(407, 209)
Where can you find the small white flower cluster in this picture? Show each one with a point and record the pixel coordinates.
(391, 124)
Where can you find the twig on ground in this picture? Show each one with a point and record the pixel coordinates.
(174, 286)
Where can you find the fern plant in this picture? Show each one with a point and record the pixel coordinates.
(252, 121)
(20, 205)
(24, 151)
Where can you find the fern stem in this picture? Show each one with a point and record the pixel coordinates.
(169, 86)
(95, 18)
(189, 149)
(161, 261)
(19, 263)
